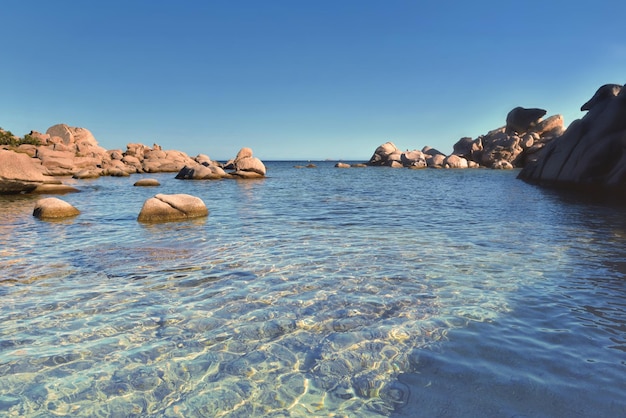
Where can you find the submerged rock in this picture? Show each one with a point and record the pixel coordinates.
(172, 207)
(54, 208)
(147, 183)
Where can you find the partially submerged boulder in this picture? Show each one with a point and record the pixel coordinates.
(172, 207)
(54, 208)
(147, 183)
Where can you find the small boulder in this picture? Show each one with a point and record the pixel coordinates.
(54, 208)
(147, 183)
(172, 207)
(342, 165)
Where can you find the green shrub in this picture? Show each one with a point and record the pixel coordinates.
(7, 138)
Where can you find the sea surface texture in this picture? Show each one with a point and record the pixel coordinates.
(361, 292)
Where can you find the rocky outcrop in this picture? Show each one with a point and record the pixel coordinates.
(54, 208)
(591, 154)
(19, 173)
(389, 155)
(512, 145)
(243, 166)
(172, 207)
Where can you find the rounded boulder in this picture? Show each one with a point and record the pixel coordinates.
(172, 207)
(54, 208)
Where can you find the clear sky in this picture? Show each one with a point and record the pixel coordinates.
(300, 79)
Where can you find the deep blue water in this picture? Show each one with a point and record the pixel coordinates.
(316, 292)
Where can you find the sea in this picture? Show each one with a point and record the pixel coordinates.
(316, 292)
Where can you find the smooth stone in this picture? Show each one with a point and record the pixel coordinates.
(147, 183)
(54, 208)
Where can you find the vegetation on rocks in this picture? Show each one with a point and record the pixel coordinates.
(8, 139)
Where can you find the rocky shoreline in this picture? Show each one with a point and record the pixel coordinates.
(589, 154)
(64, 151)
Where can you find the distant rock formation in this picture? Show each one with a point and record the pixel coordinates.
(244, 166)
(68, 151)
(591, 154)
(510, 146)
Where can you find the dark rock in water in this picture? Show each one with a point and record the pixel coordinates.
(591, 154)
(521, 119)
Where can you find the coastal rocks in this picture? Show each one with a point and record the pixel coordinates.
(243, 166)
(54, 208)
(18, 173)
(389, 155)
(201, 172)
(172, 207)
(248, 166)
(521, 119)
(591, 154)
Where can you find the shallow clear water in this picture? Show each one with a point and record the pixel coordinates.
(316, 292)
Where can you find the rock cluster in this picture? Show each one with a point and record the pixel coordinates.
(591, 154)
(512, 145)
(69, 151)
(243, 166)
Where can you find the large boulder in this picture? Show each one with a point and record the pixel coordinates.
(382, 153)
(54, 208)
(591, 154)
(248, 166)
(172, 207)
(19, 173)
(520, 120)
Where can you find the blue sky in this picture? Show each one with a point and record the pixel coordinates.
(300, 79)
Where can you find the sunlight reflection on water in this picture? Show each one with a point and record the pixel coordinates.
(307, 293)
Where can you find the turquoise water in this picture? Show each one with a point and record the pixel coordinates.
(316, 292)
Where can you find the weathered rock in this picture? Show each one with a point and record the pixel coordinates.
(591, 154)
(201, 172)
(50, 188)
(465, 147)
(520, 120)
(19, 173)
(70, 135)
(455, 161)
(500, 146)
(552, 126)
(436, 161)
(54, 208)
(147, 183)
(502, 165)
(382, 153)
(342, 165)
(87, 174)
(603, 94)
(413, 159)
(245, 162)
(173, 207)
